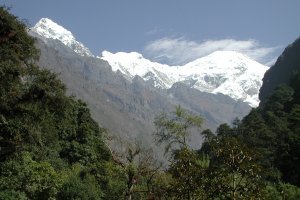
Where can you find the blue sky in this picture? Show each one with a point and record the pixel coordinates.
(173, 31)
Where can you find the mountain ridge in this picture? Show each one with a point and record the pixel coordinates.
(286, 65)
(226, 72)
(48, 29)
(127, 109)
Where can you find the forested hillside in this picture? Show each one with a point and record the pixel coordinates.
(286, 65)
(51, 148)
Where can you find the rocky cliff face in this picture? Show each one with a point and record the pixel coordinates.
(280, 73)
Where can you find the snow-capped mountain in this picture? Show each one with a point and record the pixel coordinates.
(132, 64)
(227, 72)
(46, 28)
(123, 103)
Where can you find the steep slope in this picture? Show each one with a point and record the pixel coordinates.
(273, 128)
(281, 71)
(46, 28)
(226, 72)
(132, 64)
(127, 107)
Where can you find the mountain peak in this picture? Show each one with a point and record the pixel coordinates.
(226, 53)
(47, 29)
(51, 29)
(133, 63)
(223, 56)
(131, 55)
(227, 72)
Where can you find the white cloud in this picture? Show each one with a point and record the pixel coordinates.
(153, 31)
(178, 51)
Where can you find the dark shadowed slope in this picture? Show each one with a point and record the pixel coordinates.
(281, 71)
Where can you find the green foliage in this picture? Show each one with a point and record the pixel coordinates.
(83, 142)
(12, 195)
(51, 148)
(38, 180)
(80, 186)
(224, 168)
(16, 53)
(223, 130)
(16, 45)
(188, 172)
(234, 171)
(273, 129)
(43, 132)
(281, 192)
(116, 185)
(174, 129)
(187, 167)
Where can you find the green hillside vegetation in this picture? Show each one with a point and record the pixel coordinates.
(51, 148)
(286, 65)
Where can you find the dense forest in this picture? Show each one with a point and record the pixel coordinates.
(51, 148)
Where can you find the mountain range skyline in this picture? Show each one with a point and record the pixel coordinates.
(173, 33)
(226, 72)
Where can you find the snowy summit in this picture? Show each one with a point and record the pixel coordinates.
(227, 72)
(49, 29)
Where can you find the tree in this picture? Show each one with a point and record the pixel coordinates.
(186, 166)
(139, 168)
(37, 180)
(188, 170)
(234, 172)
(174, 130)
(44, 132)
(281, 191)
(79, 185)
(17, 52)
(273, 130)
(256, 134)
